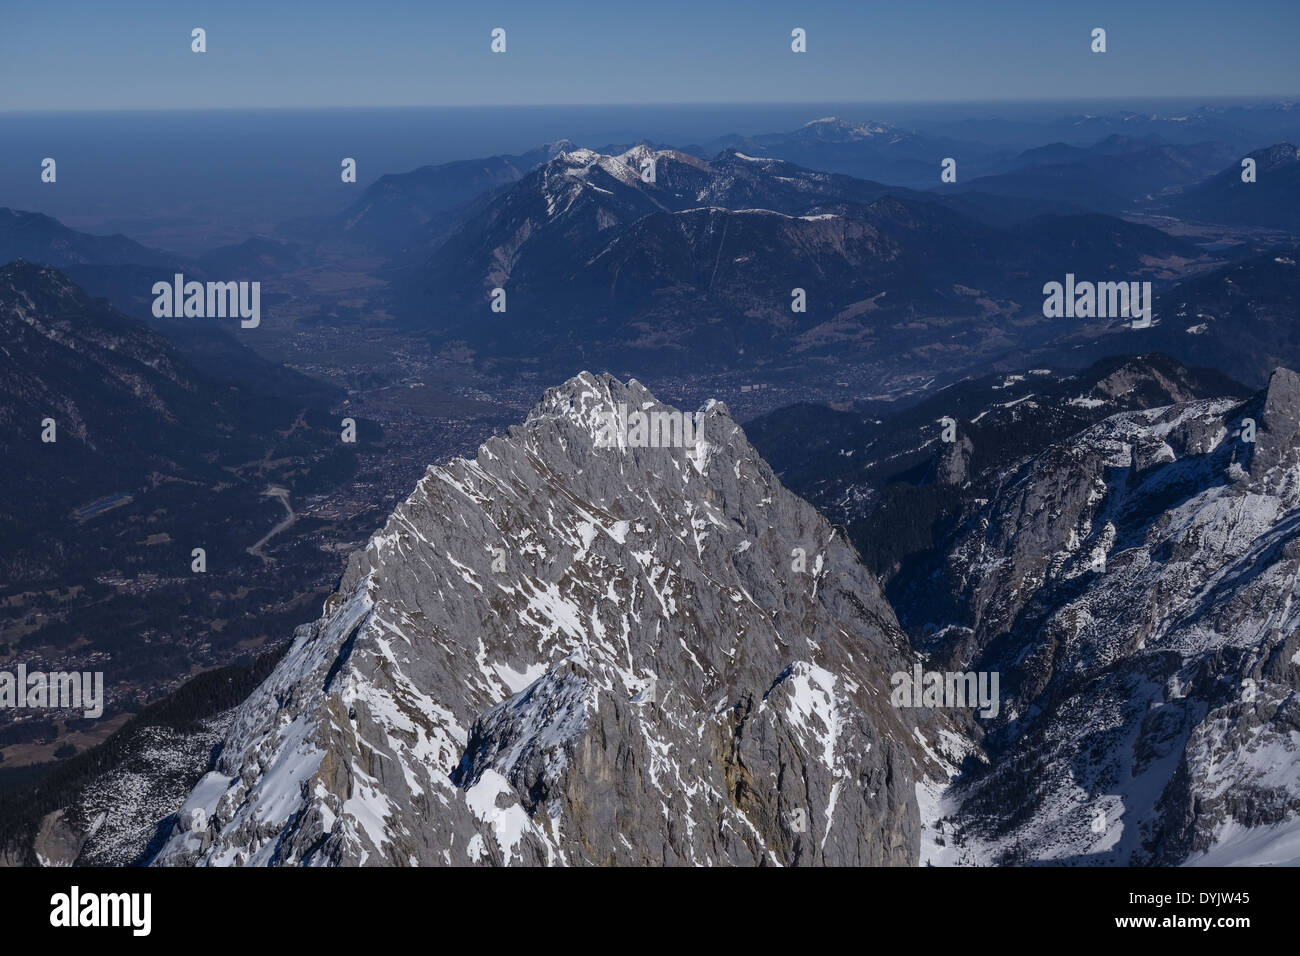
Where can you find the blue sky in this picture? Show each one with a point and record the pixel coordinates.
(90, 54)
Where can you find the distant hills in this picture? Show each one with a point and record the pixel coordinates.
(1272, 200)
(132, 416)
(1108, 176)
(123, 272)
(416, 208)
(698, 266)
(39, 238)
(866, 150)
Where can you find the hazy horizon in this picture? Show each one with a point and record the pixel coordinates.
(399, 53)
(1118, 101)
(188, 180)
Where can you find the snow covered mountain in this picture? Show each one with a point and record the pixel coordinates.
(1115, 546)
(569, 653)
(562, 652)
(888, 477)
(1133, 584)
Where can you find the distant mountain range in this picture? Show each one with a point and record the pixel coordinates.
(1109, 176)
(1241, 127)
(698, 266)
(601, 268)
(865, 150)
(1173, 143)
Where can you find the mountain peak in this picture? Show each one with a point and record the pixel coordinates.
(595, 403)
(585, 397)
(553, 633)
(834, 128)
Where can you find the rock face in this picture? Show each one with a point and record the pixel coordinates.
(568, 654)
(1134, 585)
(896, 485)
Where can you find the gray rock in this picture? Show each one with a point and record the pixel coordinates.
(1135, 586)
(567, 654)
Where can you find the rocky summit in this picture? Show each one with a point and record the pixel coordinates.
(577, 651)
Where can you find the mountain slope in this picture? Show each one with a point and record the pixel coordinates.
(643, 678)
(1130, 575)
(152, 459)
(404, 209)
(1273, 200)
(124, 401)
(124, 272)
(892, 482)
(1109, 176)
(40, 238)
(1239, 318)
(1135, 585)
